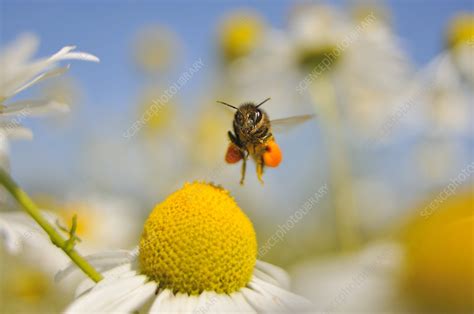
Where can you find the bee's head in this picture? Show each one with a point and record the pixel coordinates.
(248, 117)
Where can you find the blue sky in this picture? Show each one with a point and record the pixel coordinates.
(107, 28)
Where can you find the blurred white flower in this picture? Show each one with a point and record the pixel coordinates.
(21, 236)
(19, 73)
(446, 103)
(99, 217)
(17, 229)
(460, 42)
(364, 281)
(362, 57)
(265, 70)
(156, 49)
(463, 59)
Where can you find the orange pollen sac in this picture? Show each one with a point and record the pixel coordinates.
(272, 157)
(233, 154)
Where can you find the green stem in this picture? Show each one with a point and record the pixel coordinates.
(25, 201)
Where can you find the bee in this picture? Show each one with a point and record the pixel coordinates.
(253, 137)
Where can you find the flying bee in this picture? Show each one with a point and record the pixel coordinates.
(253, 137)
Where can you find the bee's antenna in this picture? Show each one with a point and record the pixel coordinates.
(224, 103)
(263, 102)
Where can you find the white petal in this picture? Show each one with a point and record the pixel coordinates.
(241, 304)
(206, 303)
(78, 55)
(22, 76)
(260, 302)
(103, 262)
(265, 277)
(41, 77)
(275, 272)
(98, 299)
(192, 302)
(161, 302)
(19, 51)
(119, 272)
(10, 237)
(110, 257)
(85, 286)
(110, 278)
(222, 304)
(280, 296)
(65, 54)
(134, 300)
(178, 303)
(20, 110)
(61, 53)
(17, 227)
(19, 133)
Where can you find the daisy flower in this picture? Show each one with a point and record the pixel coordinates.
(460, 41)
(20, 73)
(359, 55)
(239, 34)
(155, 49)
(197, 254)
(446, 107)
(91, 209)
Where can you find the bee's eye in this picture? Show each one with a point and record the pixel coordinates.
(239, 118)
(258, 116)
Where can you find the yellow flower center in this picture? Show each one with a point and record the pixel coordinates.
(461, 31)
(319, 59)
(198, 240)
(440, 253)
(156, 114)
(240, 34)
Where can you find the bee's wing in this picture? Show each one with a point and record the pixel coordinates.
(286, 124)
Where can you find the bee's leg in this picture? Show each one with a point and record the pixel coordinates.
(260, 170)
(233, 138)
(244, 168)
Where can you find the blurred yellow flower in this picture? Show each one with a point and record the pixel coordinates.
(29, 285)
(92, 211)
(362, 11)
(317, 31)
(26, 288)
(460, 41)
(210, 136)
(155, 48)
(440, 255)
(461, 31)
(239, 34)
(155, 120)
